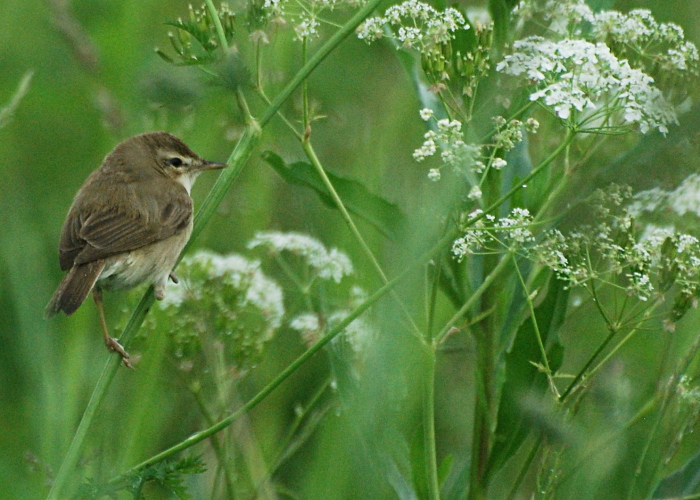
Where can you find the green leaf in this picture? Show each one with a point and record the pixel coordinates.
(598, 5)
(386, 217)
(500, 13)
(418, 465)
(523, 377)
(170, 474)
(682, 483)
(452, 281)
(445, 469)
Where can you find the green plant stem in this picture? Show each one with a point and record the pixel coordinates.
(98, 395)
(626, 339)
(429, 427)
(299, 418)
(301, 360)
(582, 372)
(229, 476)
(318, 57)
(240, 98)
(306, 121)
(526, 467)
(217, 24)
(238, 158)
(535, 326)
(311, 154)
(472, 299)
(668, 391)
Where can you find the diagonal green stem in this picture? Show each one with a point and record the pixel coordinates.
(236, 162)
(472, 299)
(429, 428)
(319, 56)
(311, 154)
(217, 24)
(535, 326)
(301, 360)
(98, 395)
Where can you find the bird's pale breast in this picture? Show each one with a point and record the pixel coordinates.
(150, 264)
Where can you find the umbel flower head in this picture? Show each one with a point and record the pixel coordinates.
(585, 84)
(418, 25)
(304, 16)
(222, 300)
(326, 264)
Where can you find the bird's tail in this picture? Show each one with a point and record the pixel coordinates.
(74, 288)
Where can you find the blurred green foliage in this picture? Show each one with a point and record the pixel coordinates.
(97, 80)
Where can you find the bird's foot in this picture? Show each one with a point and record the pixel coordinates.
(173, 278)
(114, 345)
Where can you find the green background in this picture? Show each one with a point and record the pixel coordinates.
(77, 109)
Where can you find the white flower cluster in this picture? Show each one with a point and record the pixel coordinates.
(304, 15)
(239, 273)
(224, 300)
(307, 27)
(332, 264)
(609, 253)
(684, 199)
(573, 76)
(462, 157)
(416, 24)
(640, 30)
(359, 334)
(489, 235)
(469, 159)
(510, 133)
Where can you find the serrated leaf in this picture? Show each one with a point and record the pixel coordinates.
(386, 217)
(523, 376)
(169, 474)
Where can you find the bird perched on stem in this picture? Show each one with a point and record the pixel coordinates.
(128, 223)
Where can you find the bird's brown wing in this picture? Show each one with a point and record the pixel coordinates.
(91, 234)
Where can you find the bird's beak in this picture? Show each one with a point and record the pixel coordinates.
(211, 165)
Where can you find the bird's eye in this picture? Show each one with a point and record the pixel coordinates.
(174, 162)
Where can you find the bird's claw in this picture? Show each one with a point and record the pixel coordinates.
(114, 345)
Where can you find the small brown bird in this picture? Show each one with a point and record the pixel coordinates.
(128, 223)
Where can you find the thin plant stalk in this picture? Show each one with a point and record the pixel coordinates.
(537, 445)
(471, 301)
(224, 464)
(217, 24)
(238, 158)
(294, 366)
(429, 427)
(535, 326)
(98, 395)
(613, 331)
(311, 154)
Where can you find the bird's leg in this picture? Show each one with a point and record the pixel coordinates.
(111, 343)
